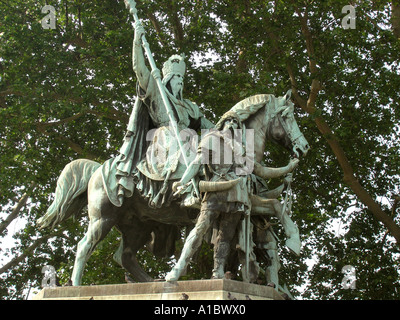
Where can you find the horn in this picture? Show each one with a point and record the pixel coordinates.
(213, 186)
(268, 173)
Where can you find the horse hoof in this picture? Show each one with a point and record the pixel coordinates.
(171, 277)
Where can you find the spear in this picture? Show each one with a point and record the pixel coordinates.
(131, 5)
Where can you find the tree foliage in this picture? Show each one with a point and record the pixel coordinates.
(67, 93)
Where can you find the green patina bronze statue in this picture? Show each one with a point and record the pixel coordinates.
(166, 177)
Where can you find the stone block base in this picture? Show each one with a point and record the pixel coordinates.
(219, 289)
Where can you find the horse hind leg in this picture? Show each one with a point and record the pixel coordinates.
(134, 237)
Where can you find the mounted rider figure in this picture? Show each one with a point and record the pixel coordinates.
(133, 167)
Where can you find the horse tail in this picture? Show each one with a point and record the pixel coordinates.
(71, 192)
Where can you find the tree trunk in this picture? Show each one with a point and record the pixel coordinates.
(396, 18)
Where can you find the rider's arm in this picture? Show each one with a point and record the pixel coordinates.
(138, 60)
(192, 170)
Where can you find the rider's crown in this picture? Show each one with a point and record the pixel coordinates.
(174, 65)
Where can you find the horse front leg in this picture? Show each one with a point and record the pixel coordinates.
(97, 231)
(272, 207)
(293, 241)
(192, 243)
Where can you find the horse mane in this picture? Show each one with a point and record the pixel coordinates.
(249, 106)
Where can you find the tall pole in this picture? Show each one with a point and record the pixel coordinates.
(131, 4)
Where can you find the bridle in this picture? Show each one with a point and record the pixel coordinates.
(279, 114)
(293, 138)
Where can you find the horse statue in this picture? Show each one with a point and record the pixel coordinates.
(81, 183)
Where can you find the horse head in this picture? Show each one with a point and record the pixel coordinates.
(283, 128)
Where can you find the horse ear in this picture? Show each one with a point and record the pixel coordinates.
(288, 94)
(286, 111)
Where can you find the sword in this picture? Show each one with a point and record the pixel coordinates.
(131, 5)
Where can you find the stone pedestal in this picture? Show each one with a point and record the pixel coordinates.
(221, 289)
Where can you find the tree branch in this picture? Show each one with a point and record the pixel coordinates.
(15, 211)
(393, 213)
(301, 102)
(396, 18)
(157, 27)
(177, 26)
(111, 114)
(315, 83)
(27, 251)
(348, 173)
(17, 208)
(74, 146)
(62, 121)
(395, 204)
(156, 24)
